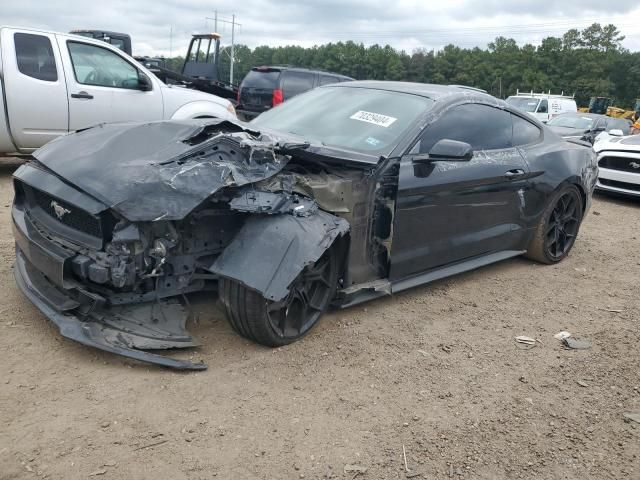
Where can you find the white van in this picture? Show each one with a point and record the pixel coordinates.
(543, 106)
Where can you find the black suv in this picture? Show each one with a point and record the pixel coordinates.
(266, 87)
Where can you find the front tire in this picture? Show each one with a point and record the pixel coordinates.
(275, 324)
(558, 227)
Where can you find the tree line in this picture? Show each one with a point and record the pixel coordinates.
(588, 62)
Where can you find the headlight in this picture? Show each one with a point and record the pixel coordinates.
(231, 110)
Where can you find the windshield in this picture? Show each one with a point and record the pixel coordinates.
(361, 119)
(527, 104)
(578, 122)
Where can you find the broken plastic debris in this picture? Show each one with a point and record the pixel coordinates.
(576, 344)
(562, 335)
(354, 469)
(632, 416)
(525, 343)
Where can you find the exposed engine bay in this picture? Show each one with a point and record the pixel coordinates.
(131, 275)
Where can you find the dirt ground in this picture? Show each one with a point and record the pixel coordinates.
(433, 374)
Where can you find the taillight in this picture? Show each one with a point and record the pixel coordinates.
(238, 96)
(277, 98)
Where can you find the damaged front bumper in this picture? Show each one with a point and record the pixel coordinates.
(84, 316)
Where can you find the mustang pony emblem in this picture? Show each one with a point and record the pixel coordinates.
(634, 165)
(59, 210)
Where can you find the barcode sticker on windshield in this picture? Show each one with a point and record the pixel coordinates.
(375, 118)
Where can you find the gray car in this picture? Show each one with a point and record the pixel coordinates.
(586, 126)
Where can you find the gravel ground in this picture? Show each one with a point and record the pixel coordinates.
(433, 374)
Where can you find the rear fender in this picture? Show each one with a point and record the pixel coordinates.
(270, 251)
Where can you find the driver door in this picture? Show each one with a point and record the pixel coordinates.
(102, 87)
(451, 211)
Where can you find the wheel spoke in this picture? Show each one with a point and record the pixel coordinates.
(307, 299)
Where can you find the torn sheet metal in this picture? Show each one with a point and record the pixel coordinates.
(122, 334)
(154, 171)
(256, 201)
(269, 251)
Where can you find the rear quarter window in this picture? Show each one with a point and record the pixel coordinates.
(295, 83)
(35, 56)
(328, 79)
(524, 132)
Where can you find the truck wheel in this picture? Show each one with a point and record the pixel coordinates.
(558, 227)
(279, 323)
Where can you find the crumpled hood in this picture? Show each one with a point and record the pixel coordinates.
(161, 170)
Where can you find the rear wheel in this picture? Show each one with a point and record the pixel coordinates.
(279, 323)
(558, 227)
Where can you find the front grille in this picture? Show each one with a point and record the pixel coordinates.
(624, 185)
(623, 164)
(67, 214)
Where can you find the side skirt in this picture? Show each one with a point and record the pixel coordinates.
(363, 293)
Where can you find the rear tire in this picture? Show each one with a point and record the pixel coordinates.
(558, 227)
(275, 324)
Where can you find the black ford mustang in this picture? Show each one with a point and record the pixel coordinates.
(341, 195)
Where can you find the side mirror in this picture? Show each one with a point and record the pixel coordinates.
(144, 83)
(616, 132)
(451, 150)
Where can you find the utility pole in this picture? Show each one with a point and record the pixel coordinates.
(171, 42)
(232, 57)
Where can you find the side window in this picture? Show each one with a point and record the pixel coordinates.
(35, 56)
(481, 126)
(328, 79)
(98, 66)
(295, 83)
(524, 132)
(543, 107)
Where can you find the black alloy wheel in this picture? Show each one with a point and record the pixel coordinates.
(308, 297)
(563, 225)
(279, 323)
(558, 227)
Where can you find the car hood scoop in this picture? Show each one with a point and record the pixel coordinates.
(161, 170)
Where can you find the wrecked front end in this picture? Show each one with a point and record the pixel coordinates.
(110, 248)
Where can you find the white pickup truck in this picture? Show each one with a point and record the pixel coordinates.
(54, 83)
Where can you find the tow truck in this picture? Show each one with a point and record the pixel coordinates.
(200, 70)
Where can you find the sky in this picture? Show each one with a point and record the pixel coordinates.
(164, 27)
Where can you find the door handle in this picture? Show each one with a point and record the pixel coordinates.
(511, 174)
(82, 95)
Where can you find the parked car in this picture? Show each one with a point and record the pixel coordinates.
(543, 106)
(587, 126)
(265, 87)
(54, 83)
(619, 161)
(343, 194)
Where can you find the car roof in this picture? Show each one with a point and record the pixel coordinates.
(297, 69)
(428, 90)
(90, 30)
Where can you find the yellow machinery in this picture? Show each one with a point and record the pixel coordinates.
(602, 105)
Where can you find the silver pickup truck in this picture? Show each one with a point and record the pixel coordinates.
(54, 83)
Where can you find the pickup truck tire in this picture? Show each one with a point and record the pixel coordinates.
(275, 324)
